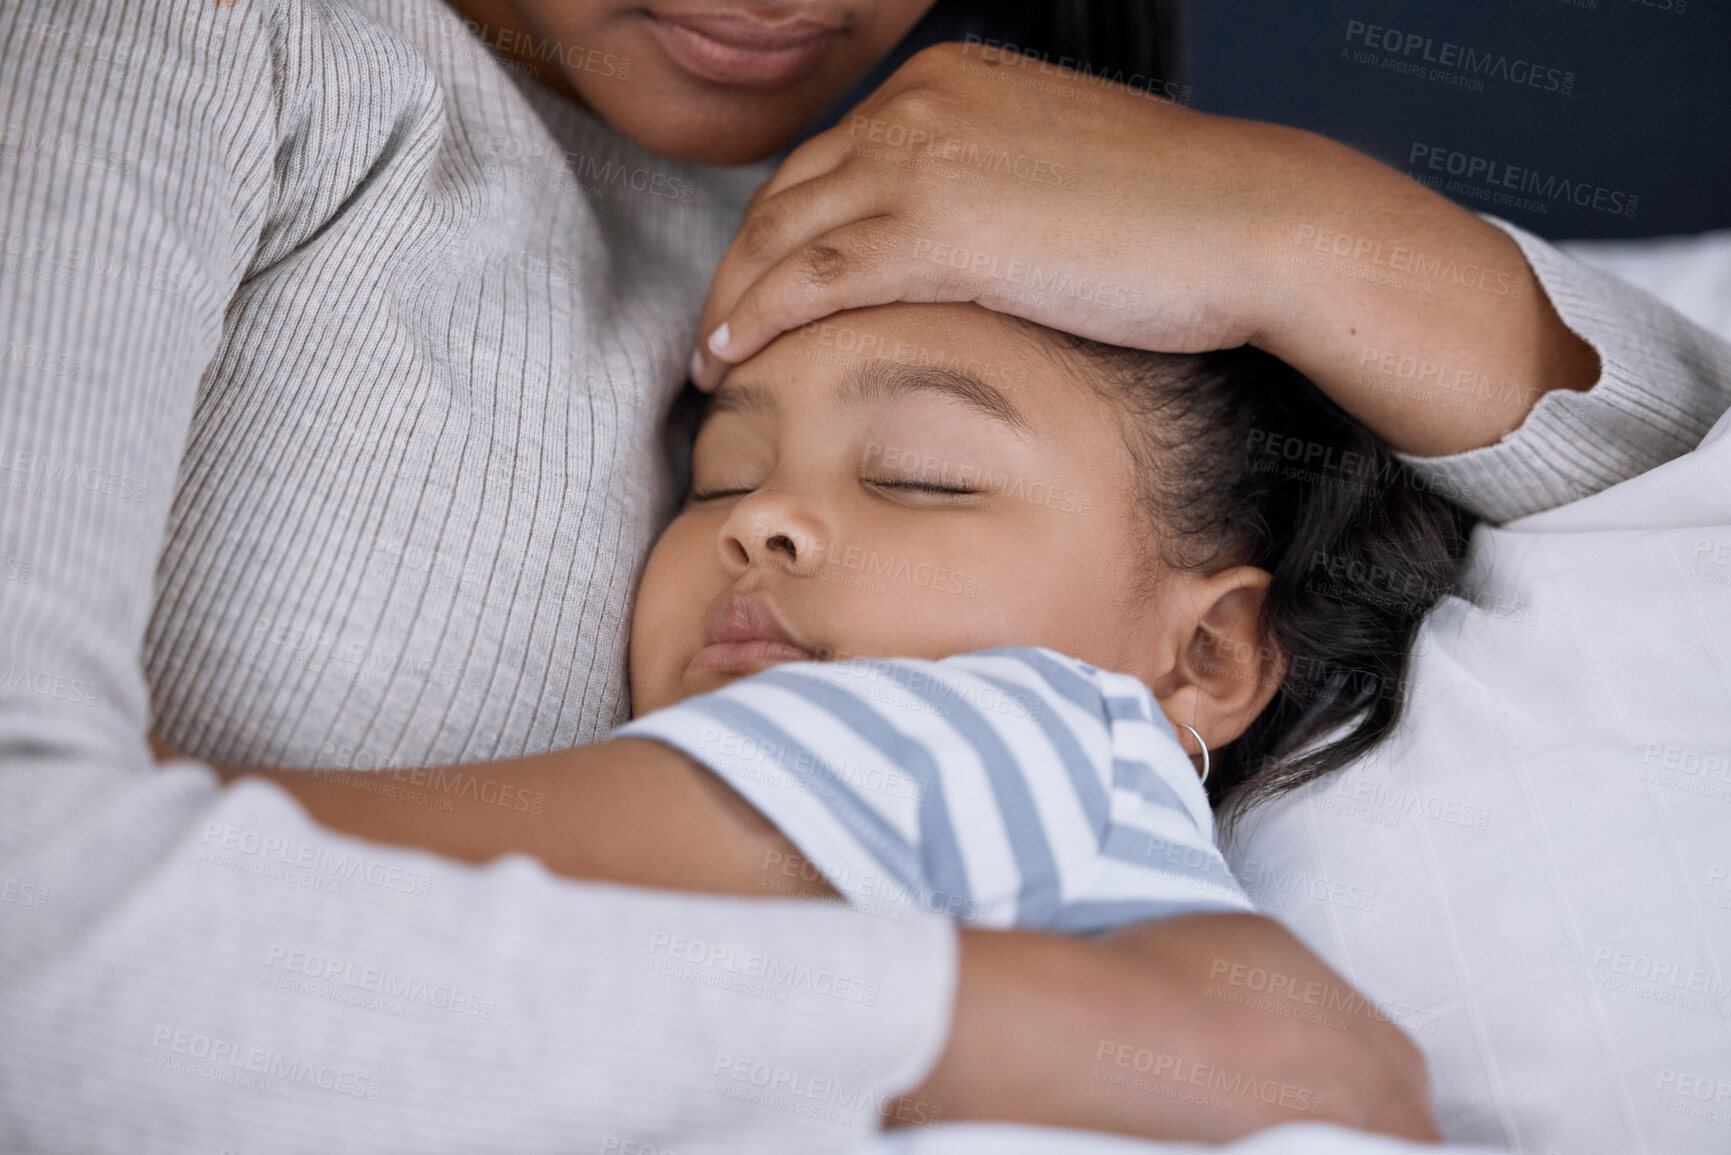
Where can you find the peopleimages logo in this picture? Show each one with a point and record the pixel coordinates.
(812, 1096)
(380, 981)
(1177, 1069)
(47, 257)
(1455, 63)
(259, 1068)
(1426, 159)
(309, 864)
(53, 474)
(778, 972)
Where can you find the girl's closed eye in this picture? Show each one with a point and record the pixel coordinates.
(715, 493)
(911, 488)
(922, 491)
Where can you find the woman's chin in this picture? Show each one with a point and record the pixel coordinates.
(701, 137)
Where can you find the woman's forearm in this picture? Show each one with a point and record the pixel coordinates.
(1135, 1032)
(1416, 316)
(1162, 228)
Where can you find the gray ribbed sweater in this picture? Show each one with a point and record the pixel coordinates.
(331, 358)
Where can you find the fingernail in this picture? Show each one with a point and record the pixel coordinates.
(696, 368)
(718, 339)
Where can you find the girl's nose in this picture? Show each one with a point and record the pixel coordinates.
(773, 527)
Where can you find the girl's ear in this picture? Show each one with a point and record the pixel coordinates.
(1224, 672)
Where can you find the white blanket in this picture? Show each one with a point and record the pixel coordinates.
(998, 1139)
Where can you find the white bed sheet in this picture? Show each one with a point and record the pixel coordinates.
(998, 1139)
(1546, 845)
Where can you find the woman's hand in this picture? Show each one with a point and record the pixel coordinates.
(1099, 210)
(1156, 1031)
(970, 177)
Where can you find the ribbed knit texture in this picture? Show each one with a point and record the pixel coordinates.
(331, 359)
(1663, 382)
(423, 468)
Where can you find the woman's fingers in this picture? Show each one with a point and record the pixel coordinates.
(815, 158)
(1118, 219)
(822, 153)
(861, 264)
(774, 228)
(831, 179)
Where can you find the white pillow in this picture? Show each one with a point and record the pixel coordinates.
(1690, 274)
(1534, 875)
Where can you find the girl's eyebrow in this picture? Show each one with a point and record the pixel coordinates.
(886, 380)
(881, 381)
(742, 397)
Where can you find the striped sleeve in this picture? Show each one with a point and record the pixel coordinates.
(1009, 787)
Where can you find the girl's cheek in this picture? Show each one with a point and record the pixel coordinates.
(670, 580)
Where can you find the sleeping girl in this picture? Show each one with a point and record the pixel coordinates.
(980, 633)
(1094, 527)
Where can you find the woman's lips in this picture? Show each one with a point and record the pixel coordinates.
(739, 49)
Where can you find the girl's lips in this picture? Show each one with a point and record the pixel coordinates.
(750, 655)
(741, 50)
(743, 633)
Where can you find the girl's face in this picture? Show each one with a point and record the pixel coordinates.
(913, 481)
(715, 81)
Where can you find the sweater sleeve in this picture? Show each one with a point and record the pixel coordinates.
(1663, 383)
(185, 967)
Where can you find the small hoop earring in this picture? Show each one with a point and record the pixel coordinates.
(1204, 746)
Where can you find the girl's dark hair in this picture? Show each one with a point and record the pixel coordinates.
(1243, 461)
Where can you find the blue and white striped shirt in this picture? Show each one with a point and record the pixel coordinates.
(1007, 787)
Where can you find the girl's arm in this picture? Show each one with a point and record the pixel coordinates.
(628, 810)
